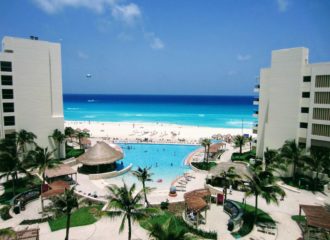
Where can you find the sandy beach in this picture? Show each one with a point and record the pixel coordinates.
(129, 131)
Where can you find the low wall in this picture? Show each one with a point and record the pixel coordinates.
(109, 174)
(213, 190)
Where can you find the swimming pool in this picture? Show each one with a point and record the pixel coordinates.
(166, 161)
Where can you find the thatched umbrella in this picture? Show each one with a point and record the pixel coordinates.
(100, 154)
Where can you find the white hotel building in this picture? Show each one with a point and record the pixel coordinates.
(294, 101)
(31, 88)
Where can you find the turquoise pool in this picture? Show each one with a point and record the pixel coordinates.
(166, 161)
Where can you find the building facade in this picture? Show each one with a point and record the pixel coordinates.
(31, 88)
(294, 102)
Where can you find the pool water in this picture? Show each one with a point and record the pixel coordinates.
(166, 161)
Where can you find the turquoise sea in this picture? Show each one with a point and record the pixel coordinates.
(209, 111)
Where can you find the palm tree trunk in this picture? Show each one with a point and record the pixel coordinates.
(240, 149)
(67, 226)
(225, 192)
(129, 227)
(256, 209)
(145, 194)
(59, 150)
(207, 155)
(294, 170)
(13, 184)
(204, 153)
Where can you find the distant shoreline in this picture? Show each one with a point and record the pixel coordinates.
(158, 132)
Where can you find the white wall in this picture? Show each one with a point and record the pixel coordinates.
(37, 83)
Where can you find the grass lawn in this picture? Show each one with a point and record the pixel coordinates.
(204, 165)
(248, 218)
(81, 217)
(22, 185)
(180, 225)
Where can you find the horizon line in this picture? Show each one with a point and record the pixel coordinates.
(148, 94)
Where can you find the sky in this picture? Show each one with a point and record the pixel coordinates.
(179, 47)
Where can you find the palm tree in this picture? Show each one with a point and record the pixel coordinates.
(58, 138)
(239, 141)
(143, 175)
(273, 160)
(123, 203)
(66, 203)
(69, 132)
(43, 160)
(80, 135)
(24, 137)
(167, 230)
(206, 143)
(10, 163)
(292, 154)
(262, 183)
(250, 140)
(316, 162)
(229, 176)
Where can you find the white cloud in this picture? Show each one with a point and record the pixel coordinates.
(53, 6)
(282, 5)
(154, 41)
(127, 13)
(241, 57)
(82, 55)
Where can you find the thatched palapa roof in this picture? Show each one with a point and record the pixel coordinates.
(100, 153)
(60, 170)
(240, 168)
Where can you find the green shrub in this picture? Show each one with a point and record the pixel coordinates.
(4, 212)
(298, 218)
(164, 205)
(245, 157)
(204, 165)
(34, 221)
(74, 153)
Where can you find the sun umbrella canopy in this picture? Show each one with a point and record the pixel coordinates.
(100, 153)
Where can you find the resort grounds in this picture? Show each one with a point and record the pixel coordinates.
(216, 219)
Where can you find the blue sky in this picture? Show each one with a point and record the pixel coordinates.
(195, 47)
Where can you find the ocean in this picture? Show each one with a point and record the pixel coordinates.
(208, 111)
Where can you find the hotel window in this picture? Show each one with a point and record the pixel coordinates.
(304, 110)
(6, 80)
(307, 78)
(7, 94)
(303, 125)
(322, 98)
(322, 81)
(321, 130)
(8, 107)
(9, 120)
(321, 114)
(5, 66)
(306, 94)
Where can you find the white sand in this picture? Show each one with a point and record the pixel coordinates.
(156, 131)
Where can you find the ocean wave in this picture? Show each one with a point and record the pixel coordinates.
(89, 116)
(238, 123)
(201, 115)
(72, 108)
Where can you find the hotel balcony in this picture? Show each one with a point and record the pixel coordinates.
(255, 129)
(255, 113)
(256, 101)
(257, 88)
